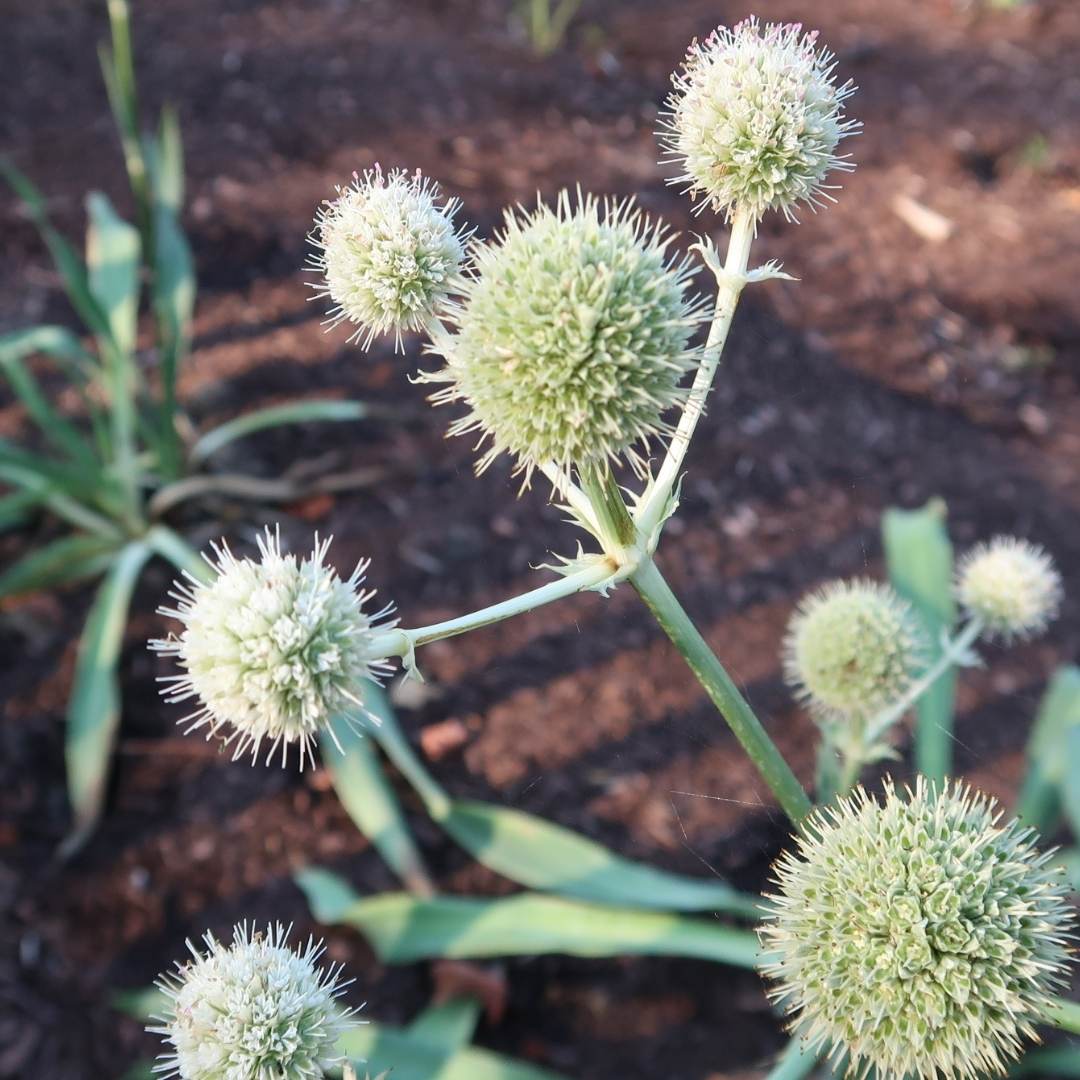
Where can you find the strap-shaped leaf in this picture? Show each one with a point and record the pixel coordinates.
(296, 412)
(920, 560)
(93, 713)
(364, 791)
(1048, 763)
(379, 1047)
(113, 253)
(540, 855)
(17, 507)
(403, 929)
(68, 264)
(60, 431)
(450, 1025)
(70, 558)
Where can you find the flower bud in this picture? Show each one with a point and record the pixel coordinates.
(755, 119)
(388, 252)
(572, 336)
(274, 648)
(922, 936)
(852, 649)
(1011, 585)
(253, 1009)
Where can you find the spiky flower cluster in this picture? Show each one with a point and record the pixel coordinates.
(388, 253)
(852, 648)
(755, 119)
(572, 336)
(1011, 585)
(922, 937)
(273, 647)
(255, 1010)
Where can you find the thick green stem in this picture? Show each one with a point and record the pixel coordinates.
(768, 760)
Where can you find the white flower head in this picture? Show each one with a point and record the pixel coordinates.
(852, 649)
(1011, 585)
(388, 253)
(273, 647)
(572, 336)
(924, 935)
(253, 1010)
(755, 119)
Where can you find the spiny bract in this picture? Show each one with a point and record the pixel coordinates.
(755, 119)
(572, 336)
(852, 649)
(273, 647)
(921, 936)
(255, 1010)
(1011, 585)
(388, 253)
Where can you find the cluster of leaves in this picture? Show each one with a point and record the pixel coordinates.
(111, 472)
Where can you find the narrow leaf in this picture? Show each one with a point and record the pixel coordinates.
(168, 172)
(112, 256)
(67, 262)
(379, 1047)
(17, 508)
(448, 1026)
(1047, 754)
(296, 412)
(403, 929)
(60, 431)
(366, 794)
(143, 1004)
(920, 560)
(93, 712)
(544, 856)
(541, 855)
(67, 559)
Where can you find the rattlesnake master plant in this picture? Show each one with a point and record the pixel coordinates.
(571, 336)
(921, 936)
(253, 1010)
(1010, 585)
(755, 119)
(273, 648)
(852, 648)
(388, 252)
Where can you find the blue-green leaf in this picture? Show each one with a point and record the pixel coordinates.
(93, 713)
(361, 785)
(920, 560)
(1048, 761)
(113, 258)
(67, 559)
(403, 929)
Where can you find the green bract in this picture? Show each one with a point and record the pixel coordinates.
(571, 337)
(1011, 585)
(852, 648)
(755, 119)
(388, 252)
(922, 937)
(255, 1010)
(273, 648)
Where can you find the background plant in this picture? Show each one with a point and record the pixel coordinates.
(111, 475)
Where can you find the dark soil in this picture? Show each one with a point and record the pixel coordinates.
(895, 370)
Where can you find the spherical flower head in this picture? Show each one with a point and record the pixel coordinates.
(388, 253)
(572, 335)
(253, 1010)
(755, 119)
(852, 649)
(922, 936)
(274, 647)
(1011, 585)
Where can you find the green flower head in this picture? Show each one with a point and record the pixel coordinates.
(755, 119)
(254, 1009)
(852, 648)
(571, 338)
(922, 936)
(271, 648)
(387, 253)
(1011, 585)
